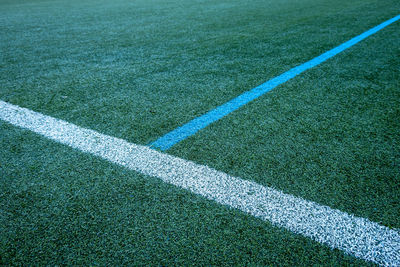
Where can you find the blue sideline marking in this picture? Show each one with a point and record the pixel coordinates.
(167, 141)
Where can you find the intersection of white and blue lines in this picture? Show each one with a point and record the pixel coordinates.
(357, 236)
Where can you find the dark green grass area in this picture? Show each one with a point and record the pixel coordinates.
(331, 135)
(138, 69)
(59, 206)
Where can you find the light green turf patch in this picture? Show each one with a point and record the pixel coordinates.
(138, 69)
(60, 206)
(331, 135)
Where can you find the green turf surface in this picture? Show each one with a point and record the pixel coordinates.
(138, 69)
(60, 206)
(331, 135)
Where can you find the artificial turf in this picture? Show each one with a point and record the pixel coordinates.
(138, 69)
(63, 207)
(331, 135)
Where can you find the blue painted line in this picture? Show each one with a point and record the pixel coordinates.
(167, 141)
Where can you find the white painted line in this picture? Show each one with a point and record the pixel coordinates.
(356, 236)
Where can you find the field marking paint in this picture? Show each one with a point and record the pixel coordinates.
(357, 236)
(170, 139)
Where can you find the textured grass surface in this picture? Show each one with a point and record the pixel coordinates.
(59, 206)
(138, 69)
(331, 135)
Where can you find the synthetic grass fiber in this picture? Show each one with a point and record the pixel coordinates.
(356, 236)
(60, 206)
(167, 141)
(138, 69)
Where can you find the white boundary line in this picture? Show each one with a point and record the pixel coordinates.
(357, 236)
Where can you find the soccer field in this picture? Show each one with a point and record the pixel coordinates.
(137, 71)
